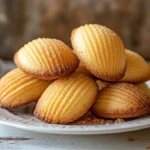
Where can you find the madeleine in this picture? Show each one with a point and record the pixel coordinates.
(46, 59)
(17, 89)
(67, 99)
(101, 51)
(121, 100)
(82, 69)
(138, 69)
(144, 87)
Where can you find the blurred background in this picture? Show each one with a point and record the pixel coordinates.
(24, 20)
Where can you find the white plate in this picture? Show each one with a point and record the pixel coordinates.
(26, 121)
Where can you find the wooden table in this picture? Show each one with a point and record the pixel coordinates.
(16, 139)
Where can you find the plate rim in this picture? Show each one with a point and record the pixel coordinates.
(93, 131)
(132, 125)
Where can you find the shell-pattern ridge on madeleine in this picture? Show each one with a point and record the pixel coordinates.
(145, 88)
(121, 100)
(46, 58)
(67, 99)
(100, 50)
(138, 69)
(18, 88)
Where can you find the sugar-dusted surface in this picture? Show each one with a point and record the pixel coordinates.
(121, 100)
(46, 58)
(92, 43)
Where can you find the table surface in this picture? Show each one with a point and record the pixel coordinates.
(17, 139)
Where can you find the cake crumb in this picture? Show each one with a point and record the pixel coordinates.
(119, 121)
(109, 122)
(91, 119)
(130, 138)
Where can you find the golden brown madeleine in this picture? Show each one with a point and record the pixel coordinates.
(101, 51)
(137, 68)
(144, 87)
(82, 69)
(17, 89)
(121, 100)
(46, 58)
(67, 99)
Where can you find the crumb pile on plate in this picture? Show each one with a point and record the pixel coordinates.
(99, 76)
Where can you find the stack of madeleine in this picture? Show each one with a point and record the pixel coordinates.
(99, 75)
